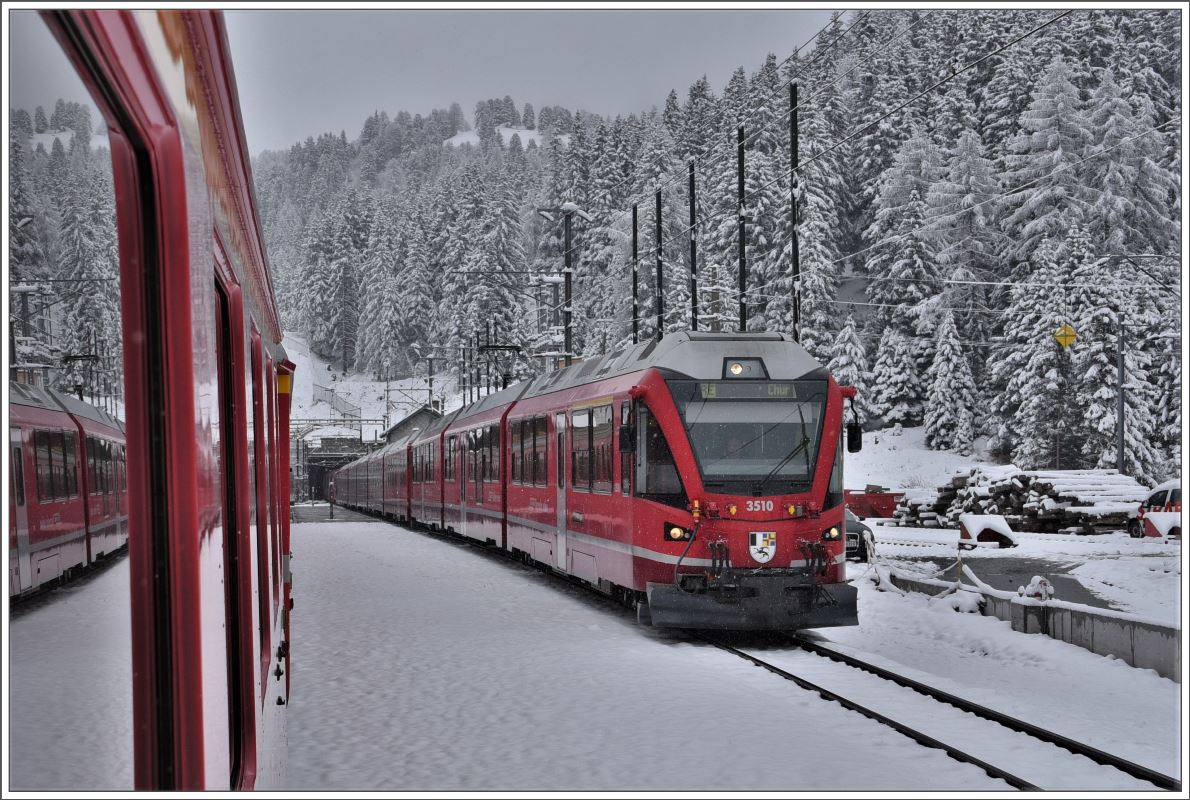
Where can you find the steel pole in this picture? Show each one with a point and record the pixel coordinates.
(796, 300)
(742, 228)
(660, 277)
(1120, 393)
(693, 256)
(635, 289)
(566, 274)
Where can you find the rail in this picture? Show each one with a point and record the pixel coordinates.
(1020, 726)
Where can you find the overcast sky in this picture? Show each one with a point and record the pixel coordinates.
(301, 73)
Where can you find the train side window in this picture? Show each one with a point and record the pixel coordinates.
(494, 451)
(44, 466)
(514, 450)
(601, 448)
(541, 444)
(625, 457)
(92, 485)
(450, 457)
(18, 476)
(70, 451)
(580, 450)
(656, 473)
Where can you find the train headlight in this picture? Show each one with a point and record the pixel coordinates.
(676, 533)
(736, 368)
(831, 534)
(731, 509)
(792, 510)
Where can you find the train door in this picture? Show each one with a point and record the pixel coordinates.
(560, 550)
(22, 568)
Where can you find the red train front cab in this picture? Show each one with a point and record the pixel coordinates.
(755, 426)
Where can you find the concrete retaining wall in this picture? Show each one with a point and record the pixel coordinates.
(1137, 642)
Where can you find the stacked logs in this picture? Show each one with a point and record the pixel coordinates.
(1045, 501)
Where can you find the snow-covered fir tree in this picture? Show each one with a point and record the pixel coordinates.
(895, 382)
(849, 366)
(950, 399)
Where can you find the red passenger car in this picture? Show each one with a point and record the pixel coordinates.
(68, 504)
(204, 453)
(698, 477)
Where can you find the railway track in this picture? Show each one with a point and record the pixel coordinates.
(985, 747)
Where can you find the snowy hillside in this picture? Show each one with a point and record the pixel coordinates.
(901, 462)
(505, 132)
(316, 386)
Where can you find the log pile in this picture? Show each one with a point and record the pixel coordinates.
(1045, 501)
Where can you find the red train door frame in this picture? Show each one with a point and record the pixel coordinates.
(560, 549)
(22, 565)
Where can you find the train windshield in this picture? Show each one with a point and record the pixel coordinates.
(753, 438)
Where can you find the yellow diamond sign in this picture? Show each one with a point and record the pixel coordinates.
(1065, 335)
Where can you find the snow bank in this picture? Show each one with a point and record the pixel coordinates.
(902, 462)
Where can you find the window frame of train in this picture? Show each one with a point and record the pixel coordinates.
(590, 449)
(61, 465)
(648, 429)
(237, 553)
(144, 146)
(263, 579)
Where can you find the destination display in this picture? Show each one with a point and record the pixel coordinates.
(768, 390)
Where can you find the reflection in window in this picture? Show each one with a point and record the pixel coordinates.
(63, 262)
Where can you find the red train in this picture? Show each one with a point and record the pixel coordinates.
(68, 497)
(699, 478)
(200, 471)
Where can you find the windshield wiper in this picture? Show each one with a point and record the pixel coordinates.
(759, 487)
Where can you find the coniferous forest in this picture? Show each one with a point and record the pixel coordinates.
(968, 181)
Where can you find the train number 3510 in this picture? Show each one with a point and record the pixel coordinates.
(759, 505)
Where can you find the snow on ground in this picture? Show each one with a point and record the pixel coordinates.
(70, 686)
(902, 461)
(1101, 701)
(1139, 576)
(505, 132)
(422, 664)
(1145, 585)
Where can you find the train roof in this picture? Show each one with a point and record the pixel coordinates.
(494, 400)
(436, 427)
(23, 394)
(694, 354)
